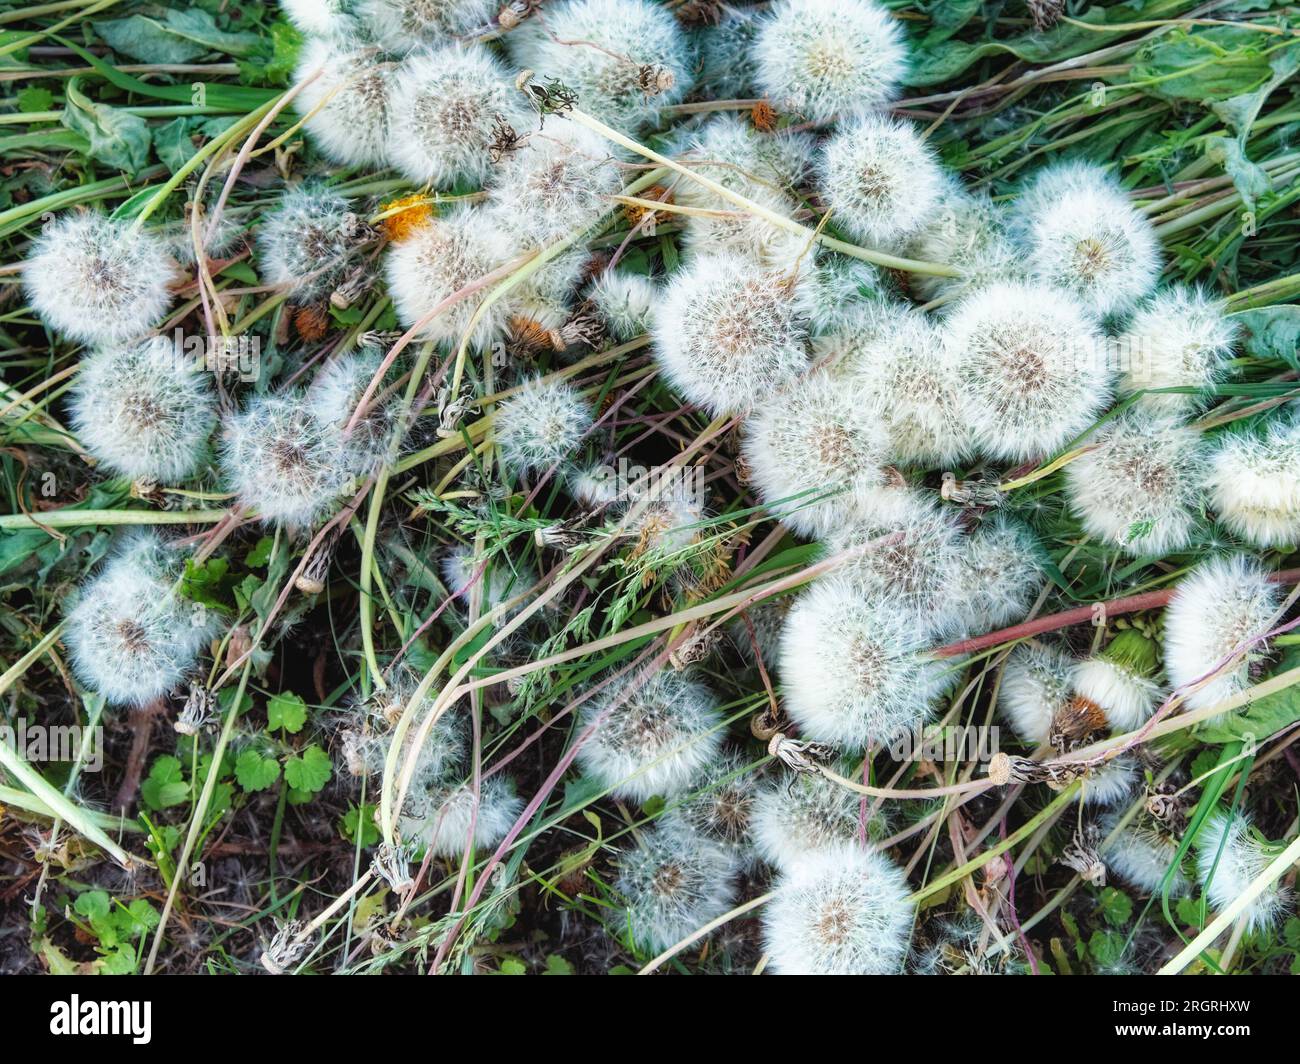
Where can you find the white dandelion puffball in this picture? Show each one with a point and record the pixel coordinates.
(1140, 486)
(828, 59)
(1120, 680)
(505, 578)
(144, 411)
(880, 180)
(546, 297)
(795, 818)
(815, 454)
(1110, 783)
(969, 232)
(542, 425)
(131, 638)
(348, 106)
(1142, 855)
(721, 807)
(1036, 685)
(1254, 481)
(901, 364)
(333, 397)
(841, 287)
(448, 817)
(1032, 369)
(1000, 573)
(742, 233)
(854, 673)
(624, 302)
(307, 242)
(1217, 607)
(625, 59)
(728, 69)
(445, 108)
(909, 559)
(861, 323)
(404, 25)
(322, 18)
(283, 462)
(729, 333)
(657, 740)
(594, 486)
(443, 752)
(729, 151)
(555, 185)
(1180, 338)
(98, 281)
(1229, 858)
(1082, 235)
(438, 260)
(840, 911)
(674, 883)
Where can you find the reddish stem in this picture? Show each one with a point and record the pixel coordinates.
(1148, 600)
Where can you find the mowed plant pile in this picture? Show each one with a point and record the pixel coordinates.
(597, 486)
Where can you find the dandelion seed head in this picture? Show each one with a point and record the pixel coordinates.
(1254, 481)
(1082, 235)
(815, 454)
(440, 259)
(657, 740)
(1215, 608)
(1140, 487)
(1141, 855)
(721, 807)
(625, 303)
(728, 332)
(97, 280)
(307, 242)
(824, 59)
(444, 110)
(348, 107)
(334, 396)
(542, 425)
(405, 25)
(880, 180)
(1000, 574)
(447, 814)
(1110, 783)
(795, 818)
(853, 671)
(843, 910)
(283, 462)
(1179, 338)
(969, 232)
(1036, 684)
(131, 638)
(1031, 369)
(557, 183)
(674, 882)
(144, 411)
(1229, 858)
(598, 49)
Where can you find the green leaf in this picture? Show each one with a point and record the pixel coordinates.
(286, 710)
(1206, 64)
(166, 784)
(117, 139)
(92, 904)
(1250, 180)
(260, 554)
(557, 965)
(202, 582)
(255, 772)
(360, 819)
(33, 99)
(1116, 906)
(1106, 948)
(1272, 333)
(180, 36)
(274, 59)
(513, 966)
(309, 771)
(173, 144)
(1188, 911)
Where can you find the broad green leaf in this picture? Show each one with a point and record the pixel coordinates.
(1266, 717)
(310, 771)
(116, 138)
(181, 35)
(286, 710)
(255, 772)
(1272, 333)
